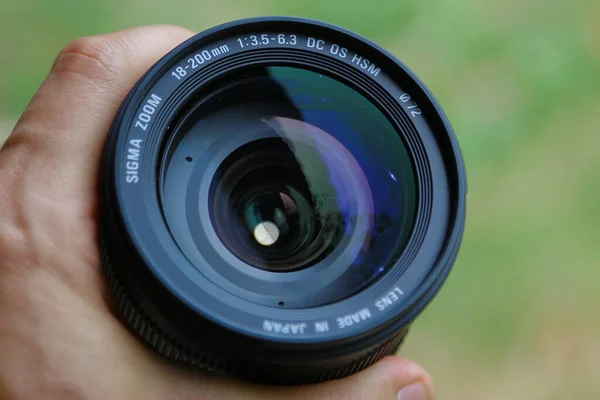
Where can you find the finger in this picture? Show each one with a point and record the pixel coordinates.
(50, 163)
(58, 142)
(392, 378)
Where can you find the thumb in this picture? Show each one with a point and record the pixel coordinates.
(392, 378)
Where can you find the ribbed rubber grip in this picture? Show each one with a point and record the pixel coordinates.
(165, 343)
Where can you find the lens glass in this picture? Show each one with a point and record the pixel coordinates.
(299, 169)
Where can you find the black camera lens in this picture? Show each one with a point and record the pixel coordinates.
(285, 169)
(281, 199)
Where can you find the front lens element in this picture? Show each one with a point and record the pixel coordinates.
(317, 173)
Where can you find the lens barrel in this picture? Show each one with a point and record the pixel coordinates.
(281, 198)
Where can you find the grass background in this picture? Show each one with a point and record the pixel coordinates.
(520, 80)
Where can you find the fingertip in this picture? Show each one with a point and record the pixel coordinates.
(142, 46)
(401, 374)
(158, 32)
(403, 369)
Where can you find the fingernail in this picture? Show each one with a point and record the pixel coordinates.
(415, 391)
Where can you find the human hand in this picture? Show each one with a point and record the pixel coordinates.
(58, 337)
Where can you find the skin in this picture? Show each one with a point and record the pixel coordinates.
(58, 336)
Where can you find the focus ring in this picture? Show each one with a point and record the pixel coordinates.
(165, 343)
(153, 334)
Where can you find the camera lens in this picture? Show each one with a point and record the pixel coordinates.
(281, 199)
(285, 169)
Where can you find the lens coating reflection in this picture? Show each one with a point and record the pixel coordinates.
(318, 171)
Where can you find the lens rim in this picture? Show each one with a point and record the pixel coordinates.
(439, 164)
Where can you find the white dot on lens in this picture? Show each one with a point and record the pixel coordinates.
(266, 233)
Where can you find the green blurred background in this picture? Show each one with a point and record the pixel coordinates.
(520, 80)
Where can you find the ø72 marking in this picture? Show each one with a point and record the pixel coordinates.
(411, 106)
